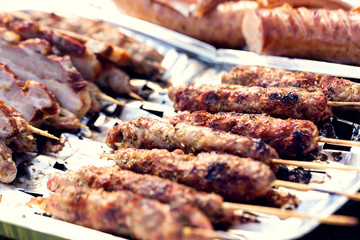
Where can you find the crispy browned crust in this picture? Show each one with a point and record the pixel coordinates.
(326, 4)
(295, 103)
(234, 178)
(147, 133)
(330, 35)
(123, 213)
(163, 190)
(288, 137)
(12, 123)
(7, 166)
(143, 58)
(220, 27)
(26, 91)
(337, 89)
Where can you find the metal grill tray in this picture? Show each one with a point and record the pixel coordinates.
(186, 60)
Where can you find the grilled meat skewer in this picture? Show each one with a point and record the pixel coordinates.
(143, 59)
(123, 213)
(150, 133)
(32, 59)
(336, 89)
(163, 190)
(32, 99)
(290, 137)
(295, 103)
(234, 178)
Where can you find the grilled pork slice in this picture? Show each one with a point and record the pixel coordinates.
(30, 59)
(143, 58)
(13, 132)
(337, 89)
(123, 213)
(153, 187)
(329, 35)
(32, 99)
(69, 42)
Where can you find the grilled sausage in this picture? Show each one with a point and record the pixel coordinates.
(122, 212)
(336, 89)
(288, 137)
(278, 102)
(234, 178)
(220, 27)
(147, 133)
(330, 35)
(153, 187)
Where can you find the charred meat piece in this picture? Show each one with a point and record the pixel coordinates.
(329, 35)
(114, 79)
(150, 133)
(165, 191)
(143, 58)
(123, 213)
(234, 178)
(32, 99)
(13, 129)
(30, 60)
(288, 137)
(295, 103)
(336, 89)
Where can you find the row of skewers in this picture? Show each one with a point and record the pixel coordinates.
(147, 216)
(228, 156)
(51, 78)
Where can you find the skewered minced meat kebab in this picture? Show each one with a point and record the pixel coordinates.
(14, 132)
(321, 34)
(123, 213)
(293, 102)
(143, 58)
(163, 190)
(234, 178)
(336, 89)
(32, 99)
(32, 59)
(290, 137)
(150, 133)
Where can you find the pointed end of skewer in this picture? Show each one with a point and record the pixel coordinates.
(136, 96)
(341, 142)
(107, 155)
(104, 97)
(41, 132)
(204, 233)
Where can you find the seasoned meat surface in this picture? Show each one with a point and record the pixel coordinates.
(150, 133)
(336, 89)
(234, 178)
(293, 102)
(288, 137)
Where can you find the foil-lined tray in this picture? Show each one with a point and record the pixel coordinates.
(187, 61)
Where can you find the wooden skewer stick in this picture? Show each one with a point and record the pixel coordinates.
(314, 165)
(104, 97)
(344, 104)
(305, 187)
(332, 220)
(41, 132)
(136, 96)
(339, 142)
(209, 234)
